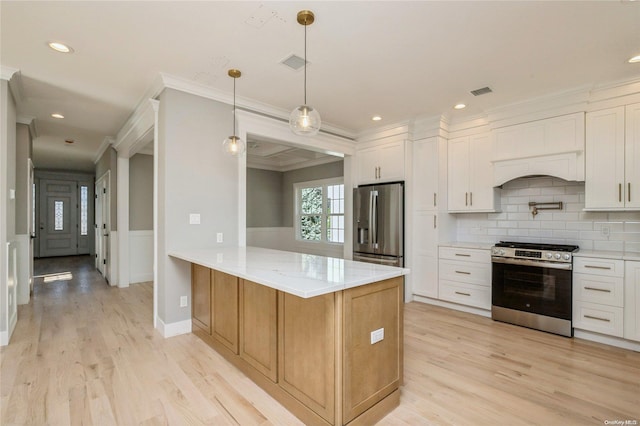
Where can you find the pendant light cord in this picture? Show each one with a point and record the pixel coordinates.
(234, 106)
(305, 64)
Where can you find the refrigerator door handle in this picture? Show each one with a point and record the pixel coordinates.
(373, 218)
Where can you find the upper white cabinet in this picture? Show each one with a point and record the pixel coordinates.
(613, 159)
(381, 163)
(470, 175)
(553, 146)
(632, 300)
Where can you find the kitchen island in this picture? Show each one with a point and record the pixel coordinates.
(321, 335)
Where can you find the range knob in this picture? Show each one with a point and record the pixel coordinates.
(558, 256)
(495, 250)
(549, 255)
(567, 256)
(502, 252)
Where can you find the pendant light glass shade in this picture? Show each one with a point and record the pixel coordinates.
(305, 120)
(233, 145)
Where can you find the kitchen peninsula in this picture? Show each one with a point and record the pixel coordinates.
(322, 335)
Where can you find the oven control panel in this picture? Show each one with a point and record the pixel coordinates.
(516, 253)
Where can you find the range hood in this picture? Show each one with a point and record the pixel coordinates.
(566, 165)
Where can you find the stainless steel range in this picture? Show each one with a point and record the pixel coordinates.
(531, 285)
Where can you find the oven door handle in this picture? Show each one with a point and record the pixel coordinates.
(535, 263)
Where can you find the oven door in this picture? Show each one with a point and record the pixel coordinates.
(538, 287)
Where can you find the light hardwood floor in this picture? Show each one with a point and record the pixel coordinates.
(86, 353)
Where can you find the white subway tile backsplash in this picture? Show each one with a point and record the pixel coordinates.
(572, 225)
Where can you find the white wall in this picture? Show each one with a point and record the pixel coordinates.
(194, 176)
(572, 225)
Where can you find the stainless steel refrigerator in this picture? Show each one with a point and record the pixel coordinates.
(378, 216)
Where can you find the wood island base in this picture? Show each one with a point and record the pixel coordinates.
(313, 355)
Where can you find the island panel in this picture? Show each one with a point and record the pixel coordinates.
(201, 297)
(225, 305)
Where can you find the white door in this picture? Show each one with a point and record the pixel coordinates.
(102, 225)
(58, 218)
(31, 227)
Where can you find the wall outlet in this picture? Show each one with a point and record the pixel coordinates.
(377, 335)
(606, 231)
(183, 301)
(219, 238)
(194, 219)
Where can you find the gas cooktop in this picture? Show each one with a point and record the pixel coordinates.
(538, 246)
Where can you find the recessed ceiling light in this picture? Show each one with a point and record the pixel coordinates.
(60, 47)
(376, 118)
(635, 59)
(56, 115)
(459, 106)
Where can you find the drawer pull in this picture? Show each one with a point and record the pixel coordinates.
(463, 255)
(598, 267)
(604, 290)
(597, 318)
(463, 294)
(463, 272)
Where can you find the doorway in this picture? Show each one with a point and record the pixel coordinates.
(103, 224)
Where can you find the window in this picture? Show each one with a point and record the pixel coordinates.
(84, 208)
(58, 212)
(320, 211)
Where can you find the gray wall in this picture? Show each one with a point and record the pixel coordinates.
(141, 192)
(194, 176)
(109, 161)
(323, 171)
(7, 182)
(23, 153)
(264, 198)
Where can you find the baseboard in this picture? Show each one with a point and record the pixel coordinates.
(454, 306)
(174, 328)
(4, 338)
(142, 278)
(607, 340)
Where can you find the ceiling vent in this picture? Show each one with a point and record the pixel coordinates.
(294, 62)
(482, 91)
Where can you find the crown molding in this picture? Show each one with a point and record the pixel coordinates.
(30, 122)
(106, 143)
(6, 73)
(255, 163)
(251, 105)
(401, 128)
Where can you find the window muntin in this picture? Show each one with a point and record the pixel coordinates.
(320, 211)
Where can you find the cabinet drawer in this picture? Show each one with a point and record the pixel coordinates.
(599, 318)
(470, 295)
(599, 289)
(465, 272)
(465, 254)
(606, 267)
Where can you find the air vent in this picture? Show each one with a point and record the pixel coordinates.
(482, 91)
(294, 62)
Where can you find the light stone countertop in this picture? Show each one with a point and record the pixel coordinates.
(303, 275)
(604, 254)
(467, 245)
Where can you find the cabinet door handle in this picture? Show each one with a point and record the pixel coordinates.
(463, 272)
(604, 290)
(466, 198)
(434, 199)
(462, 294)
(597, 318)
(471, 198)
(629, 192)
(598, 267)
(463, 255)
(434, 222)
(619, 192)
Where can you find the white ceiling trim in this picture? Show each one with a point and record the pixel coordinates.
(7, 72)
(106, 143)
(254, 163)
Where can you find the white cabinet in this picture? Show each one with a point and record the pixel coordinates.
(381, 163)
(430, 222)
(612, 180)
(632, 300)
(470, 175)
(465, 276)
(598, 295)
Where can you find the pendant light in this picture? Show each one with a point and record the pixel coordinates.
(305, 120)
(233, 145)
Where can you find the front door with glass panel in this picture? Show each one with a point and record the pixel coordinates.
(58, 218)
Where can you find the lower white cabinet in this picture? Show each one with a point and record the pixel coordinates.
(465, 276)
(598, 295)
(632, 300)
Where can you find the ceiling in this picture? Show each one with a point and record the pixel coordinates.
(396, 59)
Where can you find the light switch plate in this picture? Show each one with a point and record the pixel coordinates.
(183, 301)
(219, 238)
(194, 219)
(377, 335)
